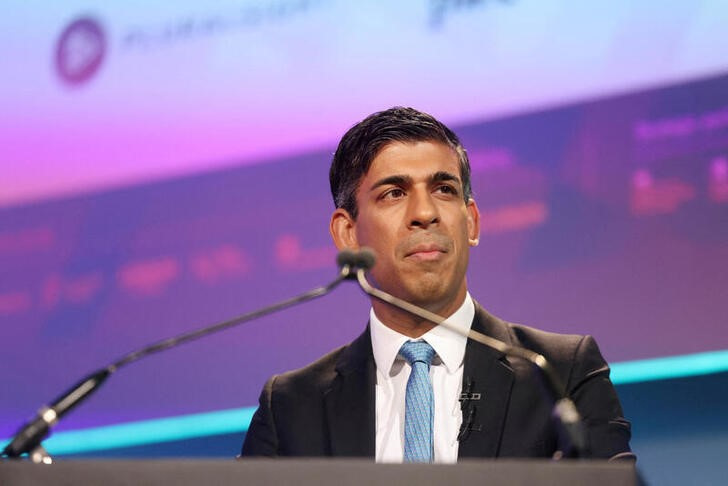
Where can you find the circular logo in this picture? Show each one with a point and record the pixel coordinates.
(80, 50)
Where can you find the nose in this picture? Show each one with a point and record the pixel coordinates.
(423, 211)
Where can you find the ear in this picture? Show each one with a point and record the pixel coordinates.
(473, 222)
(343, 230)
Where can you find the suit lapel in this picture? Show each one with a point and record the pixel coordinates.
(492, 377)
(349, 402)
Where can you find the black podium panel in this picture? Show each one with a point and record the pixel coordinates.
(303, 472)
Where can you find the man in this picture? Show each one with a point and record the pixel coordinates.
(401, 185)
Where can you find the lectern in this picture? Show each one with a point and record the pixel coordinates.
(304, 472)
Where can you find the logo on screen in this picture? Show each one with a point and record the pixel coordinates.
(80, 51)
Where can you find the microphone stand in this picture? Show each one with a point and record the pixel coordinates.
(564, 408)
(30, 436)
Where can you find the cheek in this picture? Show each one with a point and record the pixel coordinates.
(377, 240)
(374, 232)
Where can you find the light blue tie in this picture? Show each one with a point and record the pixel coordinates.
(419, 403)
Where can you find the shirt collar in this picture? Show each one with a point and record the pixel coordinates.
(449, 346)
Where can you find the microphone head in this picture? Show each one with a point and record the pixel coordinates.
(363, 259)
(346, 257)
(366, 258)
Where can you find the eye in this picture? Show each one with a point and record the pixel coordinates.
(393, 193)
(447, 189)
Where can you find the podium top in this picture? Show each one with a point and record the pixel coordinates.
(303, 472)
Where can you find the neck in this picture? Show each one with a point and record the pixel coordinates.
(408, 324)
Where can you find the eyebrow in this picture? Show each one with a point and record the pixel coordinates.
(394, 180)
(405, 180)
(443, 176)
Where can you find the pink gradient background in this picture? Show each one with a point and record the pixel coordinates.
(292, 83)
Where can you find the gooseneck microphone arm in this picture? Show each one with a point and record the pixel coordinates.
(28, 439)
(564, 408)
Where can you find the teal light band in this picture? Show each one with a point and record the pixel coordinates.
(132, 434)
(669, 367)
(220, 422)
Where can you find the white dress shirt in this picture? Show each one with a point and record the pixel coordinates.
(446, 373)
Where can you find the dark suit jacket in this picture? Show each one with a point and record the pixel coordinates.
(327, 408)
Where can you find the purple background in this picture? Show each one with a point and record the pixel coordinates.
(607, 217)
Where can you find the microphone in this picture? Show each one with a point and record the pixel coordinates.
(468, 410)
(564, 408)
(29, 437)
(353, 261)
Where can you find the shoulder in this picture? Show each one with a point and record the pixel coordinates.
(543, 342)
(316, 375)
(554, 345)
(573, 355)
(320, 374)
(580, 367)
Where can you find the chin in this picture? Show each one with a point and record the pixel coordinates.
(430, 295)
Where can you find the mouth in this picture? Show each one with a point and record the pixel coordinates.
(427, 252)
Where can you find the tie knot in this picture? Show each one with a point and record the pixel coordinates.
(414, 351)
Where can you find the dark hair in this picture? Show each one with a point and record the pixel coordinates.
(361, 144)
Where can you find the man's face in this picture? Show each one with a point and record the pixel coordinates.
(413, 215)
